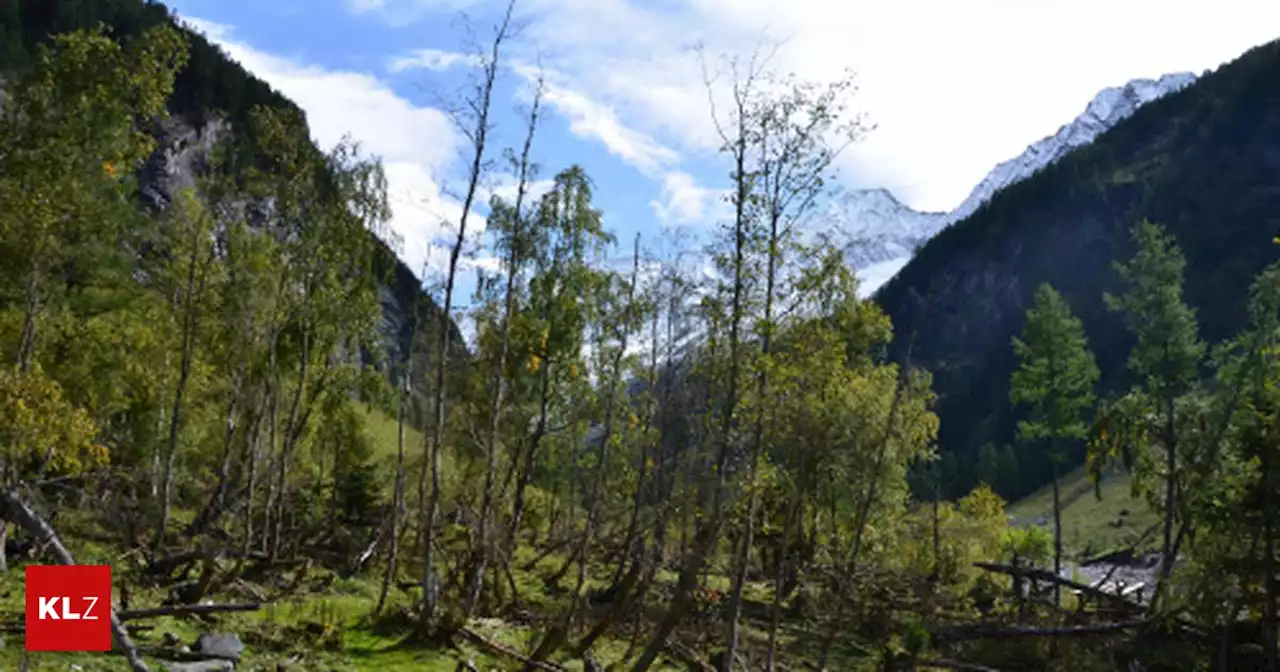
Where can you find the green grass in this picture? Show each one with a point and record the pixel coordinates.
(1090, 526)
(329, 630)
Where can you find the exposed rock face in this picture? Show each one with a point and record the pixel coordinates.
(183, 152)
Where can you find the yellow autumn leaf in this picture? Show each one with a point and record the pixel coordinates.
(110, 169)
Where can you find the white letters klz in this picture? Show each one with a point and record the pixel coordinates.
(48, 609)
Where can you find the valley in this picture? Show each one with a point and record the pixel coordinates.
(1036, 432)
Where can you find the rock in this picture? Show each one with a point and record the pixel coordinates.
(170, 639)
(202, 666)
(227, 647)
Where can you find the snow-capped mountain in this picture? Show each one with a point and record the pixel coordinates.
(874, 226)
(1110, 107)
(879, 232)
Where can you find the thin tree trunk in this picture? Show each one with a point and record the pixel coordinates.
(1268, 564)
(556, 634)
(218, 501)
(252, 456)
(479, 137)
(397, 498)
(291, 435)
(757, 450)
(1171, 465)
(525, 475)
(630, 541)
(709, 531)
(500, 364)
(864, 513)
(27, 339)
(175, 414)
(779, 583)
(1057, 530)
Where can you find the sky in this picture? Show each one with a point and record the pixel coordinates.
(949, 87)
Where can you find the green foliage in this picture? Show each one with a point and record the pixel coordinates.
(1032, 545)
(1201, 162)
(40, 432)
(1168, 352)
(1057, 374)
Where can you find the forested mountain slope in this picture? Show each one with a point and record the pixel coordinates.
(1204, 162)
(212, 100)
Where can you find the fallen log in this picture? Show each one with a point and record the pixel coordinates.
(683, 654)
(508, 652)
(16, 509)
(1044, 575)
(944, 664)
(187, 610)
(987, 631)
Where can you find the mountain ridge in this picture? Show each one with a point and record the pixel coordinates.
(1203, 161)
(874, 227)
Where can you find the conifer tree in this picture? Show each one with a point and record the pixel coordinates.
(1055, 381)
(1168, 351)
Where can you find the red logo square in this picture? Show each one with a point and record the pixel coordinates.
(68, 608)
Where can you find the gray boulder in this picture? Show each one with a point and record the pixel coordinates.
(202, 666)
(227, 647)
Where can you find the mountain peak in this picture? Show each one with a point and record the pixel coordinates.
(876, 227)
(1111, 106)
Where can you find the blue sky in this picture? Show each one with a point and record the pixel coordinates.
(952, 87)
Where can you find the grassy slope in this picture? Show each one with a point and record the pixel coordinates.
(325, 630)
(1090, 526)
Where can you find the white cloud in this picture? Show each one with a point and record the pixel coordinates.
(403, 12)
(430, 59)
(953, 87)
(417, 144)
(590, 119)
(505, 188)
(683, 200)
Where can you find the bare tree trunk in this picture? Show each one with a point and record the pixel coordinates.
(175, 414)
(479, 138)
(397, 498)
(291, 435)
(709, 530)
(1057, 530)
(514, 262)
(27, 338)
(779, 583)
(1268, 565)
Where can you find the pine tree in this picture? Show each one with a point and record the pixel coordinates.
(1055, 381)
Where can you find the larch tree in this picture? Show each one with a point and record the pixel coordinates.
(1166, 356)
(1055, 381)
